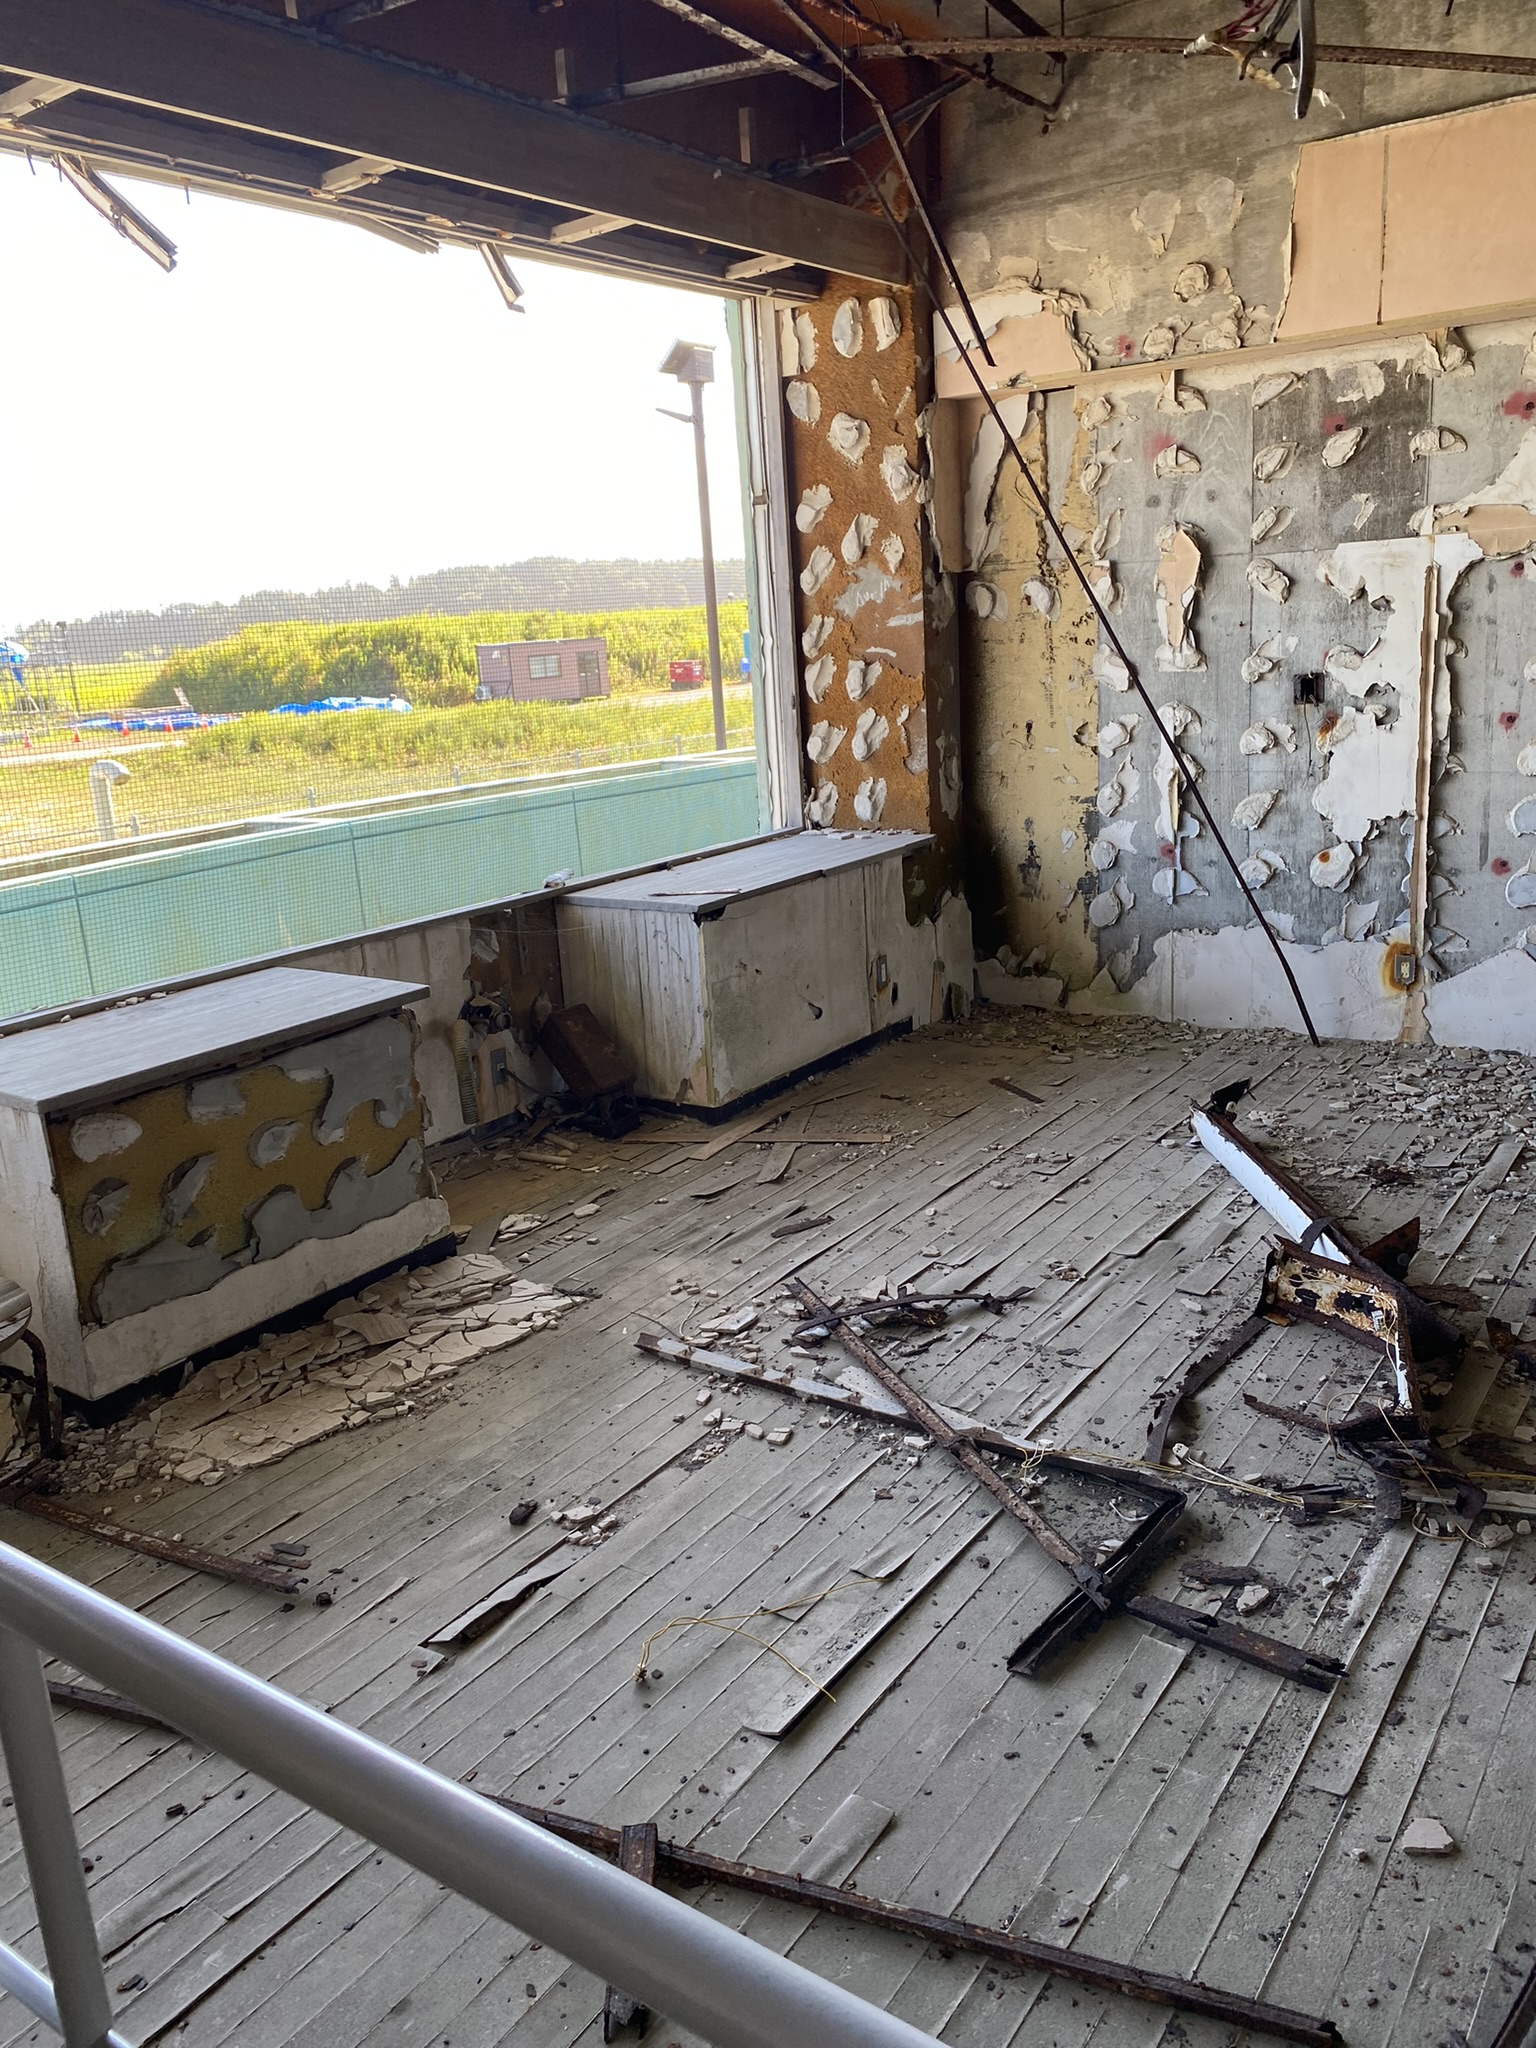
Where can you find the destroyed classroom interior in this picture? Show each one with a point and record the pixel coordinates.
(950, 1385)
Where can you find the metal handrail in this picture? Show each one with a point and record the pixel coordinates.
(673, 1959)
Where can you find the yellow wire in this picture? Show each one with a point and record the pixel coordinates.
(725, 1623)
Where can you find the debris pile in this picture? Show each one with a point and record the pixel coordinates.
(372, 1357)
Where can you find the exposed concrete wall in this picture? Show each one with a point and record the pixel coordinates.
(1304, 514)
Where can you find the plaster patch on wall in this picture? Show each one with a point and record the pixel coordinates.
(870, 734)
(855, 542)
(848, 328)
(814, 500)
(1274, 460)
(1269, 580)
(183, 1186)
(1118, 733)
(822, 807)
(370, 1063)
(1155, 215)
(869, 799)
(355, 1197)
(986, 460)
(216, 1096)
(1341, 447)
(818, 677)
(885, 318)
(816, 570)
(804, 401)
(861, 678)
(1501, 517)
(164, 1271)
(823, 741)
(272, 1141)
(849, 436)
(101, 1208)
(1175, 461)
(1249, 812)
(898, 475)
(818, 631)
(1372, 767)
(103, 1135)
(1123, 787)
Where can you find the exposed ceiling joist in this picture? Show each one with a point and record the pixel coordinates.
(358, 172)
(587, 227)
(269, 78)
(31, 96)
(139, 142)
(685, 81)
(712, 25)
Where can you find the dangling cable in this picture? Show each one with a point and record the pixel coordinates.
(1189, 786)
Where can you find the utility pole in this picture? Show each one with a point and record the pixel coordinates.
(693, 363)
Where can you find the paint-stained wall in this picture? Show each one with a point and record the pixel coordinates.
(876, 614)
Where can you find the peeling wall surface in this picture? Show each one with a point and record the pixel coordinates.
(1320, 562)
(877, 668)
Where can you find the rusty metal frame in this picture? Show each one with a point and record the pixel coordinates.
(692, 1867)
(191, 1557)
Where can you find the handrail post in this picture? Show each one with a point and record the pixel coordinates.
(36, 1770)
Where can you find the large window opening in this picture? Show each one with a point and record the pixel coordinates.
(344, 584)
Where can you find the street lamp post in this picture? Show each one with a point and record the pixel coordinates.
(693, 363)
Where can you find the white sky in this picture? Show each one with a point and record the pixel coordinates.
(300, 403)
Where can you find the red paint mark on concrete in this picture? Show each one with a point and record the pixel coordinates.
(1335, 423)
(1509, 720)
(1521, 405)
(1499, 866)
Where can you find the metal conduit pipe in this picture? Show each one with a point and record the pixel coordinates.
(676, 1961)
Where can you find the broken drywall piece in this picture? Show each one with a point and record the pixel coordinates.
(823, 740)
(1268, 389)
(1273, 460)
(1269, 579)
(1219, 203)
(893, 551)
(1354, 382)
(869, 799)
(804, 401)
(1118, 733)
(849, 436)
(1333, 867)
(1259, 869)
(897, 474)
(1525, 760)
(855, 542)
(1174, 584)
(818, 677)
(1042, 597)
(1436, 441)
(1501, 517)
(1154, 216)
(861, 678)
(805, 341)
(1122, 788)
(817, 570)
(885, 319)
(869, 734)
(1192, 282)
(848, 328)
(1522, 819)
(1249, 812)
(1371, 765)
(822, 807)
(1109, 669)
(1175, 461)
(1178, 397)
(814, 500)
(1427, 1837)
(1341, 447)
(986, 460)
(1273, 519)
(1357, 921)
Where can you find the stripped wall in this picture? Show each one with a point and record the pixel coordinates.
(1317, 552)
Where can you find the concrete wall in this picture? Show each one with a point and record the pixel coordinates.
(1252, 514)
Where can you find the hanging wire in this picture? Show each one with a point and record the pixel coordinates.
(1189, 787)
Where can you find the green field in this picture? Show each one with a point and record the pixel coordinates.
(257, 764)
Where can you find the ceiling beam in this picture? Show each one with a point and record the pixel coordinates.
(31, 96)
(714, 26)
(686, 81)
(267, 77)
(137, 142)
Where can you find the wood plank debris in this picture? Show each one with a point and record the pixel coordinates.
(191, 1557)
(636, 1857)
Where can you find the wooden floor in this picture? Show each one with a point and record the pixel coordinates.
(1145, 1800)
